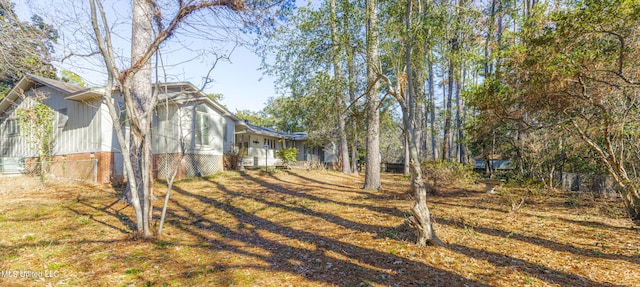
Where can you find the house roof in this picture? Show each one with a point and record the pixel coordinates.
(297, 136)
(78, 93)
(188, 88)
(263, 131)
(181, 96)
(28, 80)
(58, 85)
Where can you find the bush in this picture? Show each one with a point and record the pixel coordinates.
(439, 171)
(231, 160)
(288, 155)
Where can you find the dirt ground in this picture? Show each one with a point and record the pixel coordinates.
(312, 228)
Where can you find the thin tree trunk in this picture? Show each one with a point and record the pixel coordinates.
(446, 144)
(142, 35)
(349, 51)
(406, 154)
(372, 173)
(487, 47)
(432, 106)
(421, 219)
(460, 151)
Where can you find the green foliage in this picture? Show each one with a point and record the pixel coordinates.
(216, 96)
(26, 46)
(72, 78)
(37, 126)
(269, 171)
(288, 155)
(259, 118)
(447, 171)
(133, 271)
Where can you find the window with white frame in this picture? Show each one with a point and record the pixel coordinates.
(202, 125)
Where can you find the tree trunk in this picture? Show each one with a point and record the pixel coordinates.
(432, 107)
(459, 148)
(372, 173)
(140, 130)
(407, 155)
(349, 52)
(421, 219)
(446, 144)
(338, 79)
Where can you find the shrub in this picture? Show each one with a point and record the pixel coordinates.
(288, 155)
(232, 160)
(439, 171)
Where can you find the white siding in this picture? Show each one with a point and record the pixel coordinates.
(168, 136)
(166, 132)
(14, 145)
(229, 136)
(80, 134)
(215, 144)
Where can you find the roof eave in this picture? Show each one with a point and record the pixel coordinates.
(13, 94)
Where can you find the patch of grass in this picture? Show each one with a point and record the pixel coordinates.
(83, 220)
(54, 266)
(133, 271)
(162, 244)
(269, 171)
(391, 233)
(395, 250)
(9, 256)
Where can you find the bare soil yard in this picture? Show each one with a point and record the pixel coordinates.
(312, 228)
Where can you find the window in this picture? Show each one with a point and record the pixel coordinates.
(12, 128)
(202, 126)
(123, 114)
(225, 133)
(62, 118)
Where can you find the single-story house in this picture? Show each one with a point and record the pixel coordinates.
(259, 145)
(185, 122)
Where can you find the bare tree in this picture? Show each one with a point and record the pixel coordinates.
(151, 27)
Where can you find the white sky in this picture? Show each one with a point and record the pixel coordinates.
(186, 59)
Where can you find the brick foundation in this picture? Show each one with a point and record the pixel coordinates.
(82, 166)
(78, 166)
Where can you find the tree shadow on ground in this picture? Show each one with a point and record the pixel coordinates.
(322, 183)
(284, 190)
(330, 260)
(535, 270)
(561, 247)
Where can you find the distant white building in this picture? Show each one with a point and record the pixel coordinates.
(259, 145)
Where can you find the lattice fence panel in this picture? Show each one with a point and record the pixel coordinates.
(203, 164)
(166, 163)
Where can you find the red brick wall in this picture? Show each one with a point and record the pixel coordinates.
(105, 165)
(79, 166)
